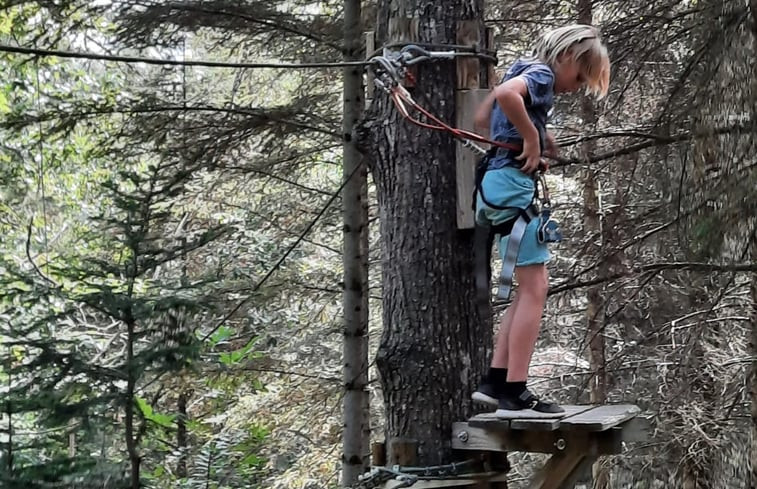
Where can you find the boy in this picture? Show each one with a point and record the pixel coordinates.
(564, 60)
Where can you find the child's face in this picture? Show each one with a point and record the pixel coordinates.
(569, 76)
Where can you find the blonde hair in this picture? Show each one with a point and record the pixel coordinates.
(585, 46)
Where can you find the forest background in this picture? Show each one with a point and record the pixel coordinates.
(171, 265)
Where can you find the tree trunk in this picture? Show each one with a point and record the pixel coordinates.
(594, 296)
(753, 253)
(355, 299)
(434, 345)
(181, 433)
(129, 400)
(753, 374)
(592, 227)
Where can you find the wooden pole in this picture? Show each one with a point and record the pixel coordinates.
(378, 454)
(355, 297)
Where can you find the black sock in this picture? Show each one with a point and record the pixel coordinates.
(514, 389)
(497, 376)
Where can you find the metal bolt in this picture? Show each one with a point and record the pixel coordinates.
(560, 444)
(463, 436)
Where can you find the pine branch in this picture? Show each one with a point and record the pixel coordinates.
(655, 268)
(657, 140)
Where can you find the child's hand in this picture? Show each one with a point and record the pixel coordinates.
(531, 154)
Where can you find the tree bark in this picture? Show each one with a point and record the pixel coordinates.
(132, 447)
(753, 373)
(753, 253)
(594, 295)
(434, 345)
(181, 433)
(355, 298)
(593, 227)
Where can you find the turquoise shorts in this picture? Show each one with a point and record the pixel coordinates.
(510, 187)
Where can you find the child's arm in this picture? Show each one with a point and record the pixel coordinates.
(511, 98)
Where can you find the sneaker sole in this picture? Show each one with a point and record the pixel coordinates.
(525, 414)
(484, 399)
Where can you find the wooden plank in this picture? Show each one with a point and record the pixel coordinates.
(378, 454)
(370, 47)
(489, 421)
(600, 418)
(582, 471)
(547, 424)
(583, 477)
(467, 437)
(466, 103)
(526, 420)
(468, 67)
(558, 468)
(528, 414)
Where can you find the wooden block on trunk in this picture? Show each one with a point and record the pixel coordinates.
(370, 46)
(466, 103)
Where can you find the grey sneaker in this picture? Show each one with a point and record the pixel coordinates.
(487, 394)
(527, 400)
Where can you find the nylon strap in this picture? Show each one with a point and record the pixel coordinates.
(511, 254)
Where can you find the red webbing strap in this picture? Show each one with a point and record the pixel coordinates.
(399, 96)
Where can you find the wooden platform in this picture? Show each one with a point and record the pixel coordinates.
(574, 440)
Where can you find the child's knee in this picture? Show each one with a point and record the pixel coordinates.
(534, 280)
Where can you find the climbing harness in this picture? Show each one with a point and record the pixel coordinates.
(548, 231)
(390, 71)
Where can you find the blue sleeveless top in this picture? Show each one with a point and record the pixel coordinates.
(540, 81)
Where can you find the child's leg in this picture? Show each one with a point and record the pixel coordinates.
(526, 319)
(500, 356)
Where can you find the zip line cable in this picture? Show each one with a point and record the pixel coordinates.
(211, 64)
(169, 62)
(391, 70)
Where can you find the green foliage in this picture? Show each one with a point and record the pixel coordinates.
(138, 206)
(164, 420)
(236, 356)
